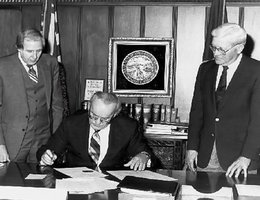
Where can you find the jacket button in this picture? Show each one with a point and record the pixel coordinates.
(217, 119)
(212, 134)
(23, 129)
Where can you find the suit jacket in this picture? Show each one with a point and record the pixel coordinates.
(14, 109)
(125, 141)
(236, 126)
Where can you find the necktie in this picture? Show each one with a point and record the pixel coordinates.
(94, 147)
(221, 89)
(32, 74)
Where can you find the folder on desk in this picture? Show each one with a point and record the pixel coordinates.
(144, 186)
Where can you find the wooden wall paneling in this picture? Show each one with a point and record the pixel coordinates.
(69, 23)
(94, 40)
(158, 24)
(127, 20)
(190, 47)
(31, 17)
(10, 25)
(252, 27)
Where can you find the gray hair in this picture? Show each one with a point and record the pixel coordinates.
(231, 32)
(107, 98)
(29, 34)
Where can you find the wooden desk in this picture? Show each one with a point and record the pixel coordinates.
(13, 174)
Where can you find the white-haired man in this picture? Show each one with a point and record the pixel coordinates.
(225, 114)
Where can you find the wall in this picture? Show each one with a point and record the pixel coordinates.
(85, 31)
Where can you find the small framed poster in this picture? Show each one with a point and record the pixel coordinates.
(92, 86)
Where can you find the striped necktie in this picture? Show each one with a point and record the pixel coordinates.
(32, 74)
(94, 147)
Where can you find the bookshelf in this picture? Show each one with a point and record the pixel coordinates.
(164, 132)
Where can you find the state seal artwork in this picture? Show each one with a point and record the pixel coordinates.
(140, 67)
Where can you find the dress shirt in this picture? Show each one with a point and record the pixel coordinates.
(104, 139)
(25, 65)
(230, 72)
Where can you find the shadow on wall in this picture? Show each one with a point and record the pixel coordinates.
(249, 46)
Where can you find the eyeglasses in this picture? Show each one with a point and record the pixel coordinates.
(102, 120)
(220, 50)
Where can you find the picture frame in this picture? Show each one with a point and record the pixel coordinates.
(140, 67)
(92, 86)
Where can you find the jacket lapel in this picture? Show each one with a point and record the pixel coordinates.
(17, 75)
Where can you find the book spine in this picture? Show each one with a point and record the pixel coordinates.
(162, 113)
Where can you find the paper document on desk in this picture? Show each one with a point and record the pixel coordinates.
(121, 174)
(80, 172)
(85, 186)
(35, 176)
(31, 193)
(248, 190)
(189, 193)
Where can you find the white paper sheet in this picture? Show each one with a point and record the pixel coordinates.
(120, 174)
(80, 172)
(35, 176)
(85, 185)
(189, 193)
(248, 190)
(31, 193)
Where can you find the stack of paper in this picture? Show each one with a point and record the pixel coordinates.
(251, 192)
(84, 181)
(166, 129)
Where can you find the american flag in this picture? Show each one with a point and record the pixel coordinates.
(50, 31)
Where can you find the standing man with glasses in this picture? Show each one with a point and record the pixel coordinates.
(31, 106)
(100, 139)
(224, 128)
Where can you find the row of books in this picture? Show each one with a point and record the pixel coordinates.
(151, 112)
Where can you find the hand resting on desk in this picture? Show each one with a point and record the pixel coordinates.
(138, 162)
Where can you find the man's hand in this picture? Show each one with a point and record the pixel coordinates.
(191, 160)
(4, 157)
(48, 158)
(241, 164)
(138, 162)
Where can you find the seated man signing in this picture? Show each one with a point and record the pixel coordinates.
(100, 139)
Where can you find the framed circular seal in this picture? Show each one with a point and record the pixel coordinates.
(140, 67)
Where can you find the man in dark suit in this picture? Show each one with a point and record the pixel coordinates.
(120, 143)
(225, 113)
(30, 99)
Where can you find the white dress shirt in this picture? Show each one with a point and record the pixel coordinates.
(230, 72)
